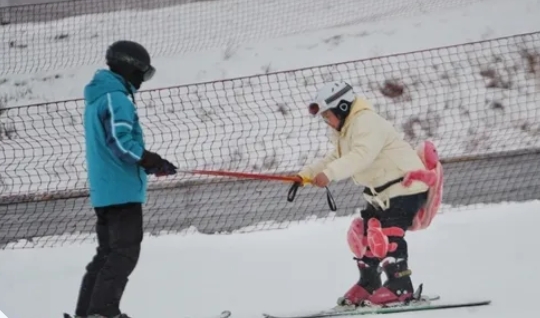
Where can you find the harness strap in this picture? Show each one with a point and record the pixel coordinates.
(380, 189)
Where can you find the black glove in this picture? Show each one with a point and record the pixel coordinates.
(154, 164)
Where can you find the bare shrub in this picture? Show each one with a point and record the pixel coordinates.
(392, 89)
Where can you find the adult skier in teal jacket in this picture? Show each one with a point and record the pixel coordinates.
(114, 142)
(118, 164)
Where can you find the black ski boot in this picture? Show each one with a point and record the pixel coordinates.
(370, 280)
(398, 288)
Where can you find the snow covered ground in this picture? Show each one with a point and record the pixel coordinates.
(192, 27)
(305, 267)
(470, 100)
(237, 124)
(474, 22)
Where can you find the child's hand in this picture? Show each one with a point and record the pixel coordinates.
(321, 180)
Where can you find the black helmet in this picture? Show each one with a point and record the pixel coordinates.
(130, 56)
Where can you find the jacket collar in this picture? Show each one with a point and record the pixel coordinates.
(358, 106)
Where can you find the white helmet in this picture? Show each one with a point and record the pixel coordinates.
(332, 95)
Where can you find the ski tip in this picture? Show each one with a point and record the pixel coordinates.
(475, 303)
(484, 302)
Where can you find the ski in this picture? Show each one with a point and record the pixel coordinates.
(420, 306)
(419, 303)
(223, 314)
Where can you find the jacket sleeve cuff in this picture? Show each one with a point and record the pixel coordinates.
(328, 173)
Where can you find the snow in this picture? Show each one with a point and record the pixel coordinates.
(259, 123)
(191, 27)
(480, 20)
(304, 267)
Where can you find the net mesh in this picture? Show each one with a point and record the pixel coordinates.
(478, 102)
(69, 34)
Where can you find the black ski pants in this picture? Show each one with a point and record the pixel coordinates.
(119, 231)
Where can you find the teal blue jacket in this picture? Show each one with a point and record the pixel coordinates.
(114, 142)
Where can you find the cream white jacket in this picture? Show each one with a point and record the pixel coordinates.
(371, 152)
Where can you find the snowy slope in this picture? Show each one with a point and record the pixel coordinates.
(192, 27)
(259, 123)
(305, 267)
(474, 22)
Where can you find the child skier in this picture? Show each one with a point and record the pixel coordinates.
(402, 188)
